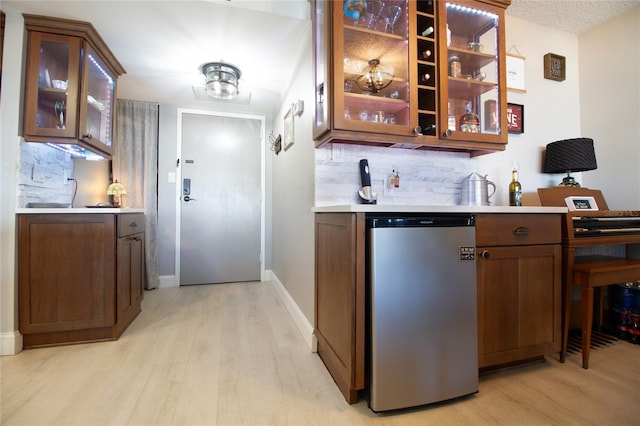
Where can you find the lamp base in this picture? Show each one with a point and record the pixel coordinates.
(570, 182)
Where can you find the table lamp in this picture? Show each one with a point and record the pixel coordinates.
(570, 155)
(117, 190)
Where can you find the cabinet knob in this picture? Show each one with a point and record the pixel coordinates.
(87, 136)
(485, 254)
(446, 134)
(417, 130)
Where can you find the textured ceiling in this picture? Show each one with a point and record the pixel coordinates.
(574, 16)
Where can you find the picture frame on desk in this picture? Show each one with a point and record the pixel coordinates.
(581, 203)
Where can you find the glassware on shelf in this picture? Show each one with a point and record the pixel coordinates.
(373, 11)
(390, 15)
(354, 9)
(378, 117)
(364, 115)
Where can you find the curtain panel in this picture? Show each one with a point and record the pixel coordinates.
(135, 164)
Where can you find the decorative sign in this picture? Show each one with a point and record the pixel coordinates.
(515, 118)
(288, 129)
(515, 73)
(490, 115)
(581, 203)
(554, 67)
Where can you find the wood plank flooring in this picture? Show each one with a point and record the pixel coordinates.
(229, 354)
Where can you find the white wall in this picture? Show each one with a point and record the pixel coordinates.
(292, 198)
(610, 107)
(10, 341)
(551, 109)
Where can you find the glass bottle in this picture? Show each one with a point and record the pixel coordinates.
(515, 190)
(451, 122)
(469, 122)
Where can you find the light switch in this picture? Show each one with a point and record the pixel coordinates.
(171, 177)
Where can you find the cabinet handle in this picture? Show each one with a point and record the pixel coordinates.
(521, 230)
(87, 136)
(485, 254)
(446, 134)
(417, 130)
(133, 225)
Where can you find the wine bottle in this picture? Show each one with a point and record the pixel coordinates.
(515, 190)
(426, 54)
(427, 32)
(469, 122)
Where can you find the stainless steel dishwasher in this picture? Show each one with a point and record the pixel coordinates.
(423, 343)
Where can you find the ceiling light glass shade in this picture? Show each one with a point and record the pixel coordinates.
(222, 80)
(374, 78)
(570, 155)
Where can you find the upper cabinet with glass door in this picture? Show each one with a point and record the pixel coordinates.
(363, 72)
(382, 73)
(70, 87)
(472, 74)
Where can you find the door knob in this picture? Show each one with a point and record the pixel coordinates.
(186, 198)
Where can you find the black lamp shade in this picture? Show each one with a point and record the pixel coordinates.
(570, 155)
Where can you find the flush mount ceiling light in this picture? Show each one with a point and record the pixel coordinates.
(222, 80)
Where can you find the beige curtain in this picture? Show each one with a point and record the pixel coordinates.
(135, 164)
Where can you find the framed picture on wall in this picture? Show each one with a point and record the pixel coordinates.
(288, 129)
(515, 118)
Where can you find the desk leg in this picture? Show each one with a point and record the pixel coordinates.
(587, 323)
(565, 321)
(567, 272)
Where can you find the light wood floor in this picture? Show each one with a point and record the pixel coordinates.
(230, 355)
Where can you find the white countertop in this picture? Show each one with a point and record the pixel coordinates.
(77, 210)
(376, 208)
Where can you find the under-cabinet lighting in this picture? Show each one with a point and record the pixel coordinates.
(467, 9)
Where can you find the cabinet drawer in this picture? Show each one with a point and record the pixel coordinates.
(130, 223)
(517, 229)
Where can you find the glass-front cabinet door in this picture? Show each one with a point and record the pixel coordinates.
(371, 67)
(472, 72)
(98, 102)
(53, 67)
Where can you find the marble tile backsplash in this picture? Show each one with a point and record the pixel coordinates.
(43, 173)
(426, 177)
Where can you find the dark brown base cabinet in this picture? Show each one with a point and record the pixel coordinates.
(519, 264)
(519, 282)
(80, 276)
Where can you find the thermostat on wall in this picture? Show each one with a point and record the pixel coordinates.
(581, 203)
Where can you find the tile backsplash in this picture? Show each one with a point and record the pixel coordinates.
(426, 177)
(43, 173)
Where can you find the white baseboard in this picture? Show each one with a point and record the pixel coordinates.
(10, 343)
(299, 319)
(167, 281)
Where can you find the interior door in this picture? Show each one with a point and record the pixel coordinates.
(220, 217)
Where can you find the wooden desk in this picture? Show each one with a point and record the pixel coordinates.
(591, 273)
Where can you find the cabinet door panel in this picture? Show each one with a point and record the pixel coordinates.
(52, 80)
(66, 272)
(519, 295)
(339, 290)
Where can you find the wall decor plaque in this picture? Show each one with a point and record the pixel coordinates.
(554, 67)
